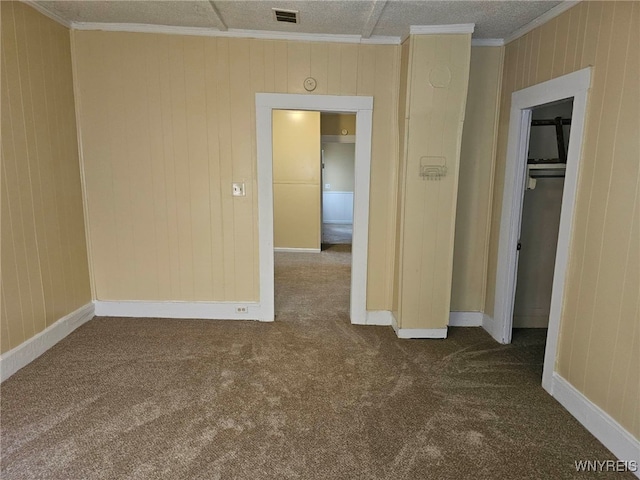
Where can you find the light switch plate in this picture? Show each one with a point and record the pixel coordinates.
(238, 190)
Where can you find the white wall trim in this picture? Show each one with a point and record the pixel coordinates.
(337, 139)
(379, 317)
(202, 310)
(407, 333)
(442, 29)
(574, 85)
(296, 250)
(542, 19)
(487, 42)
(362, 106)
(609, 432)
(234, 33)
(47, 13)
(29, 350)
(466, 319)
(491, 326)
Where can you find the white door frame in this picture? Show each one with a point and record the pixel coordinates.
(363, 108)
(574, 85)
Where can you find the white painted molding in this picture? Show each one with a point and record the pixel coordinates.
(296, 250)
(542, 19)
(574, 85)
(362, 106)
(202, 310)
(233, 33)
(381, 40)
(487, 42)
(47, 13)
(29, 350)
(466, 319)
(379, 317)
(407, 333)
(338, 139)
(609, 432)
(332, 103)
(442, 29)
(492, 327)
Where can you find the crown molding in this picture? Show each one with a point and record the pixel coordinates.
(381, 40)
(542, 19)
(487, 42)
(47, 13)
(442, 29)
(234, 33)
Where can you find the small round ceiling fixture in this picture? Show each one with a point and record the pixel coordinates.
(310, 84)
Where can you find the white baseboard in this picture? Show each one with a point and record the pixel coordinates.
(406, 333)
(492, 327)
(610, 433)
(29, 350)
(296, 250)
(379, 317)
(203, 310)
(466, 319)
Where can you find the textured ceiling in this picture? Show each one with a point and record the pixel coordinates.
(493, 19)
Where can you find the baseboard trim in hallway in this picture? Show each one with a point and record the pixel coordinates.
(29, 350)
(601, 425)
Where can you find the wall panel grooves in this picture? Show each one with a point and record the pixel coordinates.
(600, 339)
(206, 89)
(44, 262)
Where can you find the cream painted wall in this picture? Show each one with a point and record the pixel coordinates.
(168, 124)
(44, 262)
(296, 179)
(334, 123)
(339, 166)
(599, 342)
(477, 158)
(436, 96)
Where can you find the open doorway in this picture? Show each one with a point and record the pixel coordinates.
(549, 134)
(362, 107)
(313, 183)
(338, 177)
(517, 177)
(541, 206)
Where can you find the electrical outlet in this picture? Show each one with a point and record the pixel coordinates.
(238, 190)
(242, 309)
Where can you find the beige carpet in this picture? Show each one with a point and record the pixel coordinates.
(308, 397)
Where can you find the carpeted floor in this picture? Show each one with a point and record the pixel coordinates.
(308, 397)
(337, 234)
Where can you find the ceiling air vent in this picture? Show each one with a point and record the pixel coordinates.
(288, 16)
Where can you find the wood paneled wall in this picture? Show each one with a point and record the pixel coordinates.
(437, 75)
(599, 343)
(168, 124)
(44, 262)
(477, 158)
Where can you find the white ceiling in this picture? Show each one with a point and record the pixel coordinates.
(493, 19)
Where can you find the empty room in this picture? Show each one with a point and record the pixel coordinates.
(372, 239)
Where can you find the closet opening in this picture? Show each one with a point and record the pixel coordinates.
(549, 133)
